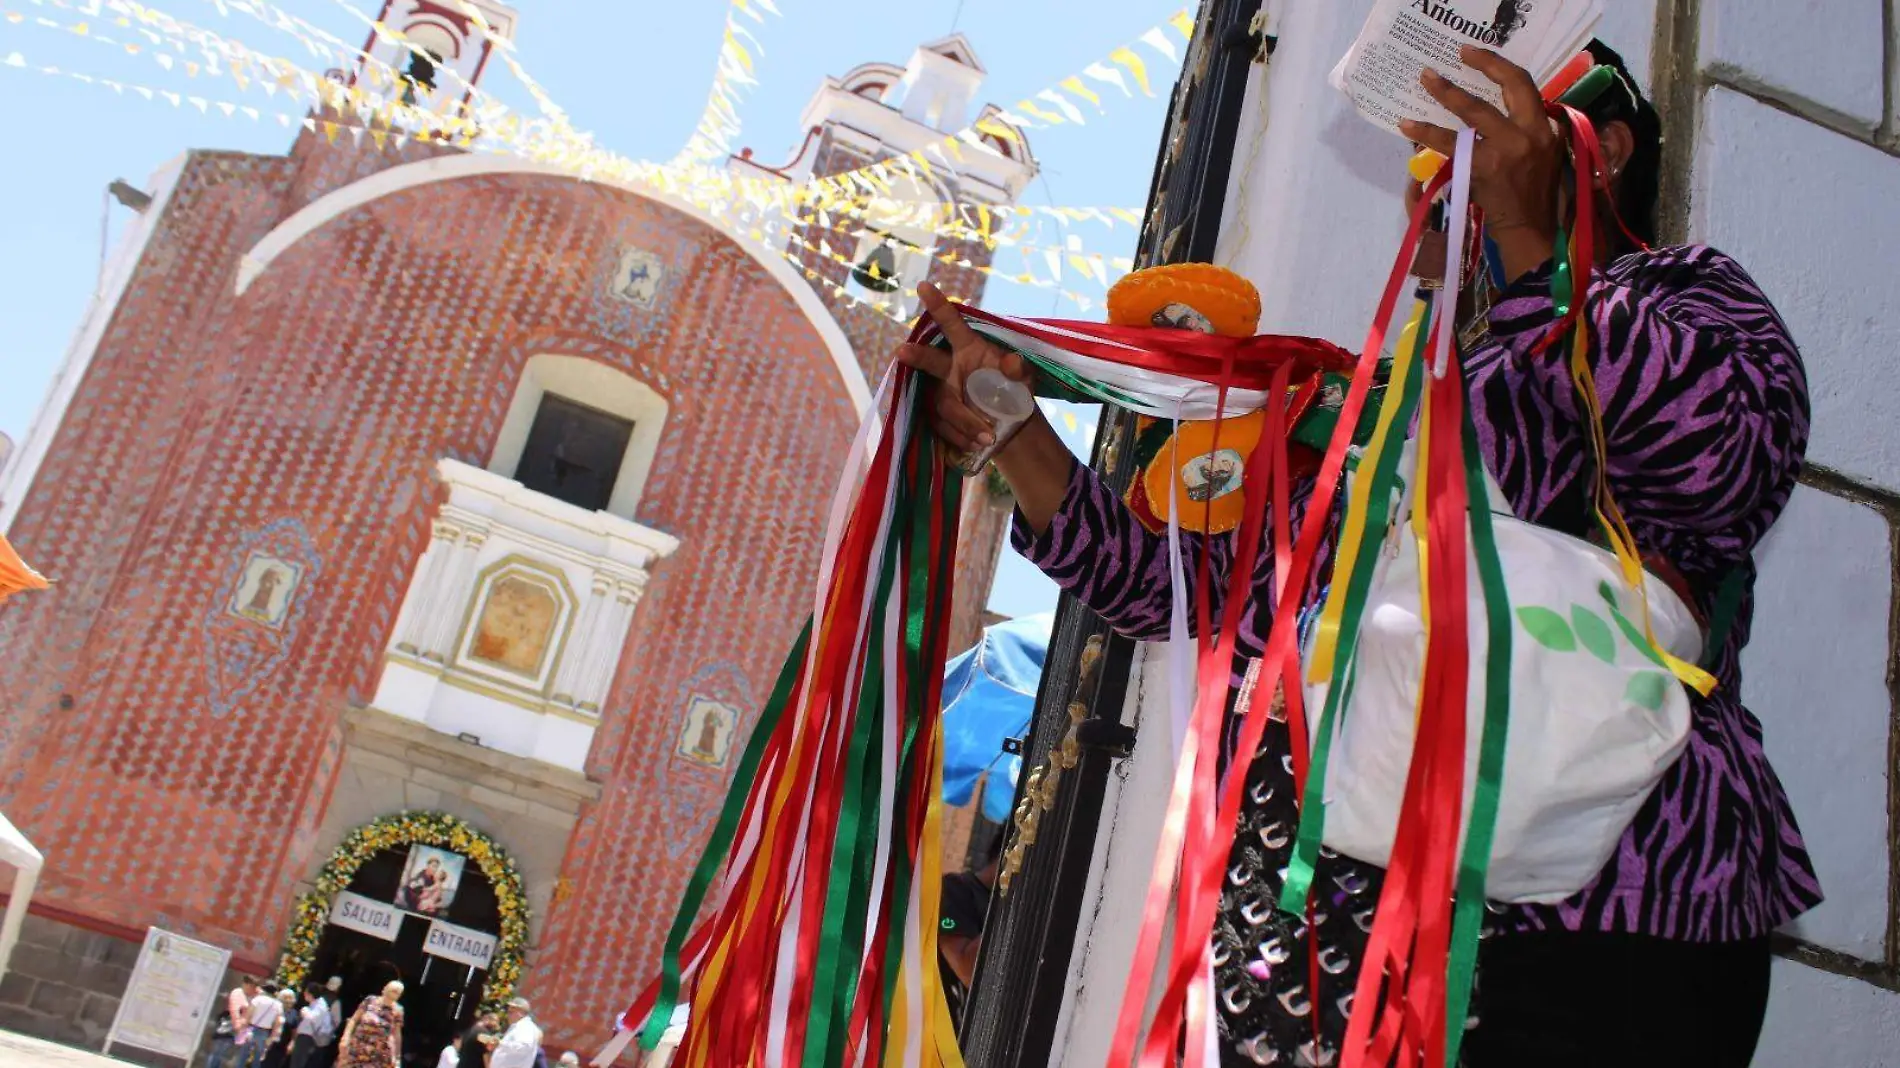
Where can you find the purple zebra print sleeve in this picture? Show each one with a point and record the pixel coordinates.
(1097, 550)
(1703, 393)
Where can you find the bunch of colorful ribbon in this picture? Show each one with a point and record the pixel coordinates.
(818, 946)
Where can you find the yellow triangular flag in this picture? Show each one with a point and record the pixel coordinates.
(1136, 67)
(1074, 85)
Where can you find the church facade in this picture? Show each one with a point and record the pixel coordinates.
(427, 529)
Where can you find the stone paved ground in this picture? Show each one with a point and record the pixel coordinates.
(19, 1051)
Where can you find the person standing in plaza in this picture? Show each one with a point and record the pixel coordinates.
(373, 1038)
(267, 1018)
(521, 1043)
(316, 1028)
(278, 1055)
(328, 1051)
(231, 1042)
(480, 1041)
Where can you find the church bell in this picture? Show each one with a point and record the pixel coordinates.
(878, 270)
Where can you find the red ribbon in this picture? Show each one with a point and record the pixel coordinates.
(1194, 783)
(745, 985)
(1281, 657)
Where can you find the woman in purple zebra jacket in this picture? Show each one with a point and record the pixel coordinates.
(1664, 959)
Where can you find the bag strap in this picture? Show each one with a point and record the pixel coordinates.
(1728, 601)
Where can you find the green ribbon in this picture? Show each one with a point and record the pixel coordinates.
(840, 940)
(1561, 288)
(720, 845)
(1300, 869)
(1468, 912)
(1728, 602)
(927, 611)
(924, 594)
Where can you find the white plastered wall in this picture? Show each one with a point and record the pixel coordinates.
(1794, 171)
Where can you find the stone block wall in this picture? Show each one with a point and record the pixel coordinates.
(64, 982)
(1795, 170)
(529, 809)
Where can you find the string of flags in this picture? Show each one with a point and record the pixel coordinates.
(247, 69)
(372, 105)
(550, 139)
(1090, 265)
(719, 123)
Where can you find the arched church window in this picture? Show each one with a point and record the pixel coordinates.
(582, 432)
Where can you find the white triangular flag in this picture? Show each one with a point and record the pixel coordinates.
(1069, 111)
(1158, 41)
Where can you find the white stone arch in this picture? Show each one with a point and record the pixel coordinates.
(449, 168)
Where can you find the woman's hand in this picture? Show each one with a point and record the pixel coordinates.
(965, 428)
(1035, 463)
(1518, 161)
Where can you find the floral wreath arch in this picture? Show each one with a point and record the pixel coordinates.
(408, 828)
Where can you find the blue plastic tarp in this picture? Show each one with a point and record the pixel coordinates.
(988, 695)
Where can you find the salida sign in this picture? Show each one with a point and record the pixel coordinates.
(358, 913)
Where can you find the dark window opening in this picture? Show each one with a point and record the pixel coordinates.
(573, 452)
(420, 76)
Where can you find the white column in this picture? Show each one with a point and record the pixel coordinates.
(580, 645)
(419, 608)
(456, 587)
(613, 638)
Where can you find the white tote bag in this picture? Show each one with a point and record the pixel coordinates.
(1595, 719)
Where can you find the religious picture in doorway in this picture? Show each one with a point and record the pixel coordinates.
(265, 591)
(637, 278)
(516, 624)
(706, 736)
(429, 880)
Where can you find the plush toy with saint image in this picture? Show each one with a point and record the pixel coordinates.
(1203, 459)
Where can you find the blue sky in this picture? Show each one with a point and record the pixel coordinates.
(634, 74)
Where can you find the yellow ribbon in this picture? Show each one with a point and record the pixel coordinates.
(1615, 529)
(919, 963)
(1353, 527)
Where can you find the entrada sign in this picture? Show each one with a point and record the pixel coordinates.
(460, 944)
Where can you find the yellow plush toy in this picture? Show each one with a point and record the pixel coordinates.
(1206, 473)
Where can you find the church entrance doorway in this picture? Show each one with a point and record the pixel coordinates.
(427, 913)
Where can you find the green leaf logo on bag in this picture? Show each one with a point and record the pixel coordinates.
(1585, 629)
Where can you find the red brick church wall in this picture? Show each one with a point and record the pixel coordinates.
(173, 782)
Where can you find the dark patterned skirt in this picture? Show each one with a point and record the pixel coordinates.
(1262, 961)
